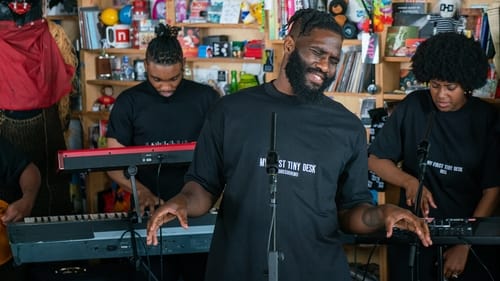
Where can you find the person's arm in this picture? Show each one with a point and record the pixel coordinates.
(488, 203)
(366, 218)
(387, 170)
(455, 257)
(193, 200)
(29, 181)
(146, 197)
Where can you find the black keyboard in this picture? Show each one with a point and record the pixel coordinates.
(451, 227)
(485, 231)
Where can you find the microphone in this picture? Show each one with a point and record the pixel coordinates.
(272, 155)
(422, 153)
(274, 256)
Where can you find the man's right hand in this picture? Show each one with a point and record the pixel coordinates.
(175, 207)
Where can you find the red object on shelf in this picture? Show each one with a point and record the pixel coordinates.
(253, 49)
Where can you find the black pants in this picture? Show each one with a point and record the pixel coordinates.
(399, 269)
(83, 270)
(11, 272)
(185, 267)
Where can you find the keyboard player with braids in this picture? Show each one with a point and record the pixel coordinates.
(19, 184)
(164, 109)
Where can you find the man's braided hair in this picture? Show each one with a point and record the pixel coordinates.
(165, 48)
(305, 20)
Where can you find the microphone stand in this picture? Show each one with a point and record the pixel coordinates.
(422, 155)
(272, 170)
(136, 217)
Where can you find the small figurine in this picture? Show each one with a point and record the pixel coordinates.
(446, 20)
(106, 100)
(338, 9)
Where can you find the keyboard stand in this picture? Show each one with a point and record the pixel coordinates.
(440, 271)
(136, 216)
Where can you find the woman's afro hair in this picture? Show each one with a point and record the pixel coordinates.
(451, 57)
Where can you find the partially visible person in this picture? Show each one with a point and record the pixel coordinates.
(322, 155)
(165, 109)
(462, 177)
(19, 184)
(36, 73)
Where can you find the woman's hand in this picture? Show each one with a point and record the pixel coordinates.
(455, 259)
(427, 200)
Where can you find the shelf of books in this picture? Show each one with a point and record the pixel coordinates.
(216, 36)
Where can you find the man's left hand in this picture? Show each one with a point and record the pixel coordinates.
(404, 219)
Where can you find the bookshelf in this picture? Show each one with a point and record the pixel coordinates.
(92, 86)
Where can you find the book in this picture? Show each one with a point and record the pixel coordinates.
(347, 71)
(181, 10)
(370, 48)
(409, 7)
(198, 11)
(407, 81)
(338, 75)
(367, 104)
(215, 11)
(396, 38)
(103, 129)
(367, 75)
(189, 39)
(93, 135)
(342, 74)
(353, 81)
(230, 11)
(473, 20)
(422, 21)
(412, 44)
(91, 29)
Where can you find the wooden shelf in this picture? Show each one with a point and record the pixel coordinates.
(397, 59)
(118, 83)
(118, 51)
(224, 60)
(347, 42)
(343, 94)
(62, 17)
(96, 115)
(394, 97)
(220, 25)
(351, 42)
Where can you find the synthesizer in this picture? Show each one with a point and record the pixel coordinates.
(100, 159)
(106, 235)
(473, 231)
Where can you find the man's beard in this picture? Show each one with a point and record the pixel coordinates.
(296, 71)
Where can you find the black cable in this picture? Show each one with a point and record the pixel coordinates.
(141, 241)
(481, 262)
(476, 256)
(158, 172)
(369, 260)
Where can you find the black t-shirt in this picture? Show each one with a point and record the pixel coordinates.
(141, 116)
(322, 167)
(12, 164)
(460, 163)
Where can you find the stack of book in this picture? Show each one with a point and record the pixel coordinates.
(90, 27)
(353, 76)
